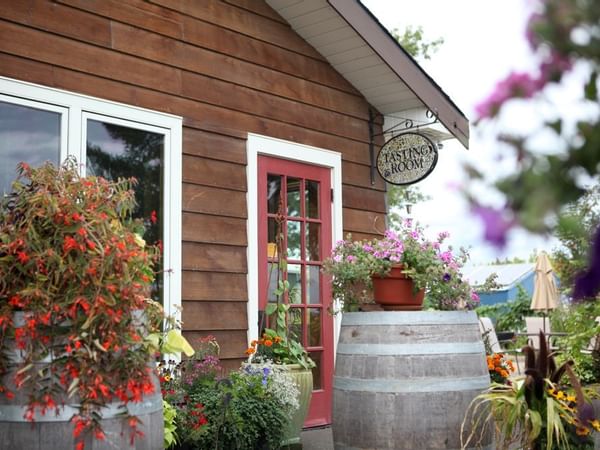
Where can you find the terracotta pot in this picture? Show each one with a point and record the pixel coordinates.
(395, 292)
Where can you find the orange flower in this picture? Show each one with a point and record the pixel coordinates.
(268, 342)
(277, 339)
(250, 351)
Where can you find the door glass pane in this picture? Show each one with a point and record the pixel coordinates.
(116, 151)
(316, 357)
(314, 327)
(295, 318)
(26, 134)
(313, 238)
(295, 281)
(313, 280)
(293, 197)
(293, 239)
(272, 231)
(311, 193)
(274, 275)
(273, 193)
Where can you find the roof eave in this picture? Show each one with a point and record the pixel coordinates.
(404, 66)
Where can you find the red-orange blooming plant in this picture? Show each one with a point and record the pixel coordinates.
(75, 279)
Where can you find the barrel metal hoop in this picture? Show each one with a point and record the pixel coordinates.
(487, 447)
(410, 318)
(415, 385)
(16, 413)
(435, 348)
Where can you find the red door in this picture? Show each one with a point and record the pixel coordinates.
(302, 193)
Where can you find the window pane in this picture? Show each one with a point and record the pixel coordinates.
(272, 231)
(293, 240)
(313, 281)
(295, 325)
(316, 357)
(273, 276)
(314, 327)
(26, 134)
(293, 197)
(273, 193)
(116, 151)
(311, 193)
(295, 280)
(313, 236)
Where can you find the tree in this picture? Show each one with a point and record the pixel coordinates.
(575, 230)
(564, 34)
(414, 43)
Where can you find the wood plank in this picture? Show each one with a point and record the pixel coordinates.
(222, 202)
(212, 145)
(363, 198)
(233, 364)
(360, 175)
(232, 343)
(361, 236)
(215, 315)
(214, 173)
(242, 47)
(236, 19)
(369, 222)
(66, 52)
(134, 12)
(214, 286)
(243, 99)
(214, 258)
(214, 229)
(52, 17)
(25, 69)
(258, 7)
(223, 67)
(198, 115)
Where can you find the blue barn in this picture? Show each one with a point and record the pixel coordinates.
(509, 277)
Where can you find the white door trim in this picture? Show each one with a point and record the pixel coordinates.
(263, 145)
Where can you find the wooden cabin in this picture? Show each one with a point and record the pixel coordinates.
(220, 107)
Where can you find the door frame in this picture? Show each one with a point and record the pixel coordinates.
(279, 148)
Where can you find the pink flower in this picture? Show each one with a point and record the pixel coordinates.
(446, 257)
(351, 258)
(516, 85)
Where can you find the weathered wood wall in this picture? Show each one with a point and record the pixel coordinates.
(228, 67)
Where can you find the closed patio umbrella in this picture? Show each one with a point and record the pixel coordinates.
(545, 293)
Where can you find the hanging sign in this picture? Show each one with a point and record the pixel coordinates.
(407, 158)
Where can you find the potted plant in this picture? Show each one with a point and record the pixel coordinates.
(407, 256)
(537, 411)
(278, 343)
(75, 307)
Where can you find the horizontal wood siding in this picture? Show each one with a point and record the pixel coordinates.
(228, 67)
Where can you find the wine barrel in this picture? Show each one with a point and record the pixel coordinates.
(52, 431)
(404, 380)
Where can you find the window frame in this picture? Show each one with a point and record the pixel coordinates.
(76, 109)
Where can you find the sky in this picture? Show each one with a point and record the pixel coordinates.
(483, 42)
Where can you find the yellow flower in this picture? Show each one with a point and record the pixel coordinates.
(571, 398)
(596, 424)
(582, 431)
(561, 395)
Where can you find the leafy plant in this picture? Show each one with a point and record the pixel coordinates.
(245, 410)
(75, 280)
(169, 418)
(509, 316)
(431, 267)
(535, 411)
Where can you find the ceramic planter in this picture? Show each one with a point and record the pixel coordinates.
(304, 380)
(395, 292)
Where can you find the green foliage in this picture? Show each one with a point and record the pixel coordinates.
(398, 197)
(579, 322)
(247, 409)
(575, 228)
(535, 411)
(509, 316)
(169, 416)
(413, 41)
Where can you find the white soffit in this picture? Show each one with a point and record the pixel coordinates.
(360, 49)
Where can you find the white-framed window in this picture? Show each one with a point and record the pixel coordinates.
(109, 139)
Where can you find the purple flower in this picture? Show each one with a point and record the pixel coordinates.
(516, 85)
(474, 296)
(447, 277)
(496, 225)
(350, 258)
(443, 235)
(367, 248)
(534, 21)
(587, 283)
(446, 257)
